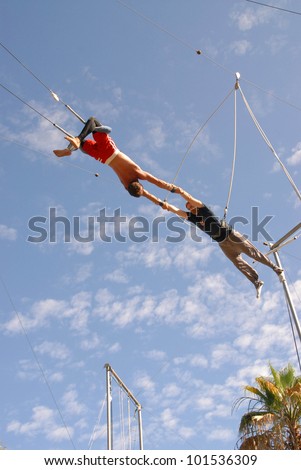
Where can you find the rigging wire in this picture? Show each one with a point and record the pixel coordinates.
(129, 425)
(97, 425)
(61, 160)
(292, 324)
(294, 287)
(234, 152)
(202, 53)
(149, 20)
(274, 7)
(37, 360)
(287, 242)
(54, 95)
(272, 95)
(36, 111)
(198, 133)
(269, 144)
(184, 43)
(121, 419)
(25, 67)
(122, 437)
(293, 333)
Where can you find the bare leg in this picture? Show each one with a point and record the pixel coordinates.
(74, 145)
(75, 142)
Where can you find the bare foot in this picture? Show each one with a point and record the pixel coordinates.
(62, 153)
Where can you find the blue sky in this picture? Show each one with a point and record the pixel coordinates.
(177, 322)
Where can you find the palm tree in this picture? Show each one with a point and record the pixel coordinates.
(273, 419)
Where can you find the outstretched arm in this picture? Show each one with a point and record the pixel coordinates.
(164, 204)
(153, 198)
(175, 210)
(192, 200)
(160, 183)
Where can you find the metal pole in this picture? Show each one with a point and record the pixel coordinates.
(286, 236)
(288, 295)
(110, 372)
(109, 404)
(140, 427)
(73, 112)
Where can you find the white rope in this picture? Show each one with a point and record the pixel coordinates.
(54, 95)
(38, 363)
(198, 133)
(287, 242)
(234, 154)
(121, 418)
(92, 438)
(269, 144)
(129, 425)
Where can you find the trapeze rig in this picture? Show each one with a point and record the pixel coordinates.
(109, 374)
(275, 247)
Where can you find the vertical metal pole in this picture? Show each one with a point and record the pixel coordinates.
(140, 427)
(109, 409)
(110, 373)
(288, 295)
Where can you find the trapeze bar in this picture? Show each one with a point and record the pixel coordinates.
(287, 235)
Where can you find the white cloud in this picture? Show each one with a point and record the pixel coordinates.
(106, 110)
(193, 360)
(114, 348)
(7, 233)
(171, 390)
(248, 18)
(296, 291)
(88, 75)
(243, 341)
(186, 432)
(295, 158)
(277, 43)
(81, 248)
(71, 403)
(56, 377)
(32, 128)
(221, 434)
(54, 350)
(246, 375)
(218, 410)
(92, 342)
(156, 355)
(118, 276)
(144, 382)
(223, 353)
(78, 311)
(168, 419)
(43, 311)
(83, 272)
(204, 403)
(240, 47)
(156, 134)
(42, 422)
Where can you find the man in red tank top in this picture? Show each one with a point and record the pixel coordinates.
(104, 149)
